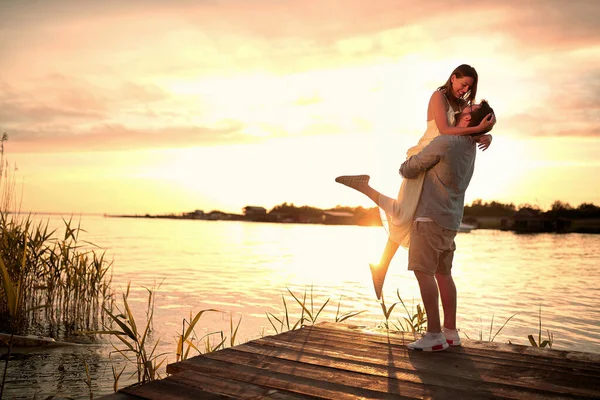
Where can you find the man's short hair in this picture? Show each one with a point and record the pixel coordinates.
(478, 115)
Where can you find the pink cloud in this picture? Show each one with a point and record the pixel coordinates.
(98, 68)
(61, 98)
(119, 137)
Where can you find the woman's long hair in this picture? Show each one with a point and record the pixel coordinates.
(460, 72)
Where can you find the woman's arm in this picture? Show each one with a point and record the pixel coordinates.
(437, 106)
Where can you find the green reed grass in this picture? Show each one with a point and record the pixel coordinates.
(138, 348)
(63, 285)
(387, 311)
(308, 315)
(491, 337)
(546, 343)
(415, 322)
(48, 285)
(188, 335)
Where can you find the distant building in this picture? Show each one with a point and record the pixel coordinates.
(338, 218)
(276, 216)
(196, 214)
(216, 215)
(528, 220)
(254, 213)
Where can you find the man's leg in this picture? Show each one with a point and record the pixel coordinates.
(423, 261)
(448, 295)
(429, 295)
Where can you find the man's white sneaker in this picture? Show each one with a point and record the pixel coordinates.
(430, 342)
(452, 337)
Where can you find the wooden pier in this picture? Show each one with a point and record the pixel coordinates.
(336, 361)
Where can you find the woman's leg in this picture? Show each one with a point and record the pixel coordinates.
(361, 183)
(379, 271)
(390, 206)
(388, 253)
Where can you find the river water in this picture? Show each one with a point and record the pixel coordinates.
(244, 269)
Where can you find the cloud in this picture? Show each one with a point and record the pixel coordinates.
(556, 24)
(135, 69)
(213, 36)
(101, 137)
(542, 124)
(57, 97)
(570, 108)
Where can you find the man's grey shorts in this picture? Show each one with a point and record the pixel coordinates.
(431, 248)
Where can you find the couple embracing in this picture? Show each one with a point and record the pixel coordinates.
(426, 215)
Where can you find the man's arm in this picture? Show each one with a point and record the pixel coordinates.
(483, 141)
(427, 158)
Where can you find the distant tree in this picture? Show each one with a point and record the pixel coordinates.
(558, 209)
(560, 206)
(530, 207)
(588, 210)
(291, 209)
(531, 210)
(493, 209)
(564, 210)
(478, 208)
(343, 209)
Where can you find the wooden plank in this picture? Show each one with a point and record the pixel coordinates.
(550, 379)
(232, 387)
(489, 360)
(314, 381)
(572, 356)
(119, 396)
(492, 350)
(168, 389)
(337, 361)
(378, 376)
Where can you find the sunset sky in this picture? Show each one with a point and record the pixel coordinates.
(171, 106)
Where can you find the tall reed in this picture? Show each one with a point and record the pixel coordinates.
(139, 348)
(64, 285)
(308, 315)
(188, 339)
(541, 343)
(415, 322)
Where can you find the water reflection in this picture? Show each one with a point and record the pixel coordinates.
(60, 372)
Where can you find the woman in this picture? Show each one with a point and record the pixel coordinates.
(445, 103)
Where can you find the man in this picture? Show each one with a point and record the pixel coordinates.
(448, 162)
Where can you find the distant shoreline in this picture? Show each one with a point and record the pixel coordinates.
(589, 225)
(481, 216)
